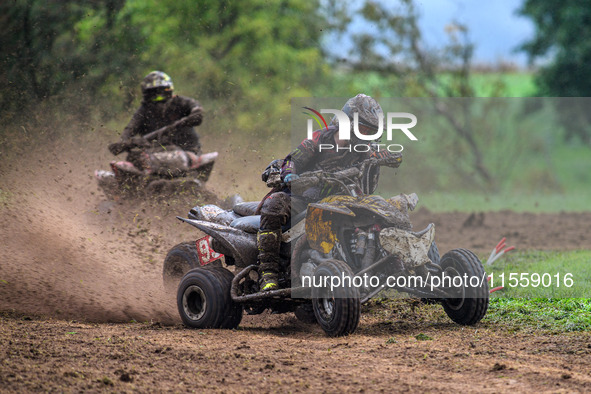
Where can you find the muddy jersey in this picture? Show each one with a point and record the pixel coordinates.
(152, 116)
(309, 157)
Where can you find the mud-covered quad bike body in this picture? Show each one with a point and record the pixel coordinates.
(154, 168)
(353, 236)
(177, 172)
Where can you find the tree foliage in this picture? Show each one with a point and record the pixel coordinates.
(255, 51)
(392, 46)
(563, 40)
(245, 59)
(48, 46)
(563, 32)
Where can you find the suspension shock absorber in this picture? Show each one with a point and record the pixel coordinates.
(360, 241)
(371, 247)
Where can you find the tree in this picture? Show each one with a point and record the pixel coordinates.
(49, 46)
(249, 56)
(396, 51)
(563, 35)
(252, 54)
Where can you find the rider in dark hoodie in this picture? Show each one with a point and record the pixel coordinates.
(160, 108)
(276, 209)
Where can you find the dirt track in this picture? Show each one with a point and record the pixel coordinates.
(270, 354)
(71, 265)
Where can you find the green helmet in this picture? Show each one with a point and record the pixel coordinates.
(157, 86)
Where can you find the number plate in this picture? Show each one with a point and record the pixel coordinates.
(206, 253)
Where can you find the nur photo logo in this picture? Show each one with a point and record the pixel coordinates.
(393, 124)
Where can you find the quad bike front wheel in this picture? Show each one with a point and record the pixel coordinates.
(337, 309)
(433, 254)
(470, 303)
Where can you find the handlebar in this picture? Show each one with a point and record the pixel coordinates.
(352, 174)
(192, 119)
(313, 178)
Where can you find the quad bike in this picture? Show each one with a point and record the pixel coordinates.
(351, 236)
(154, 168)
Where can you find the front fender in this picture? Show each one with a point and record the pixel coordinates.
(239, 245)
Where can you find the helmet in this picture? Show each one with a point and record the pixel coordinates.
(369, 110)
(157, 86)
(369, 114)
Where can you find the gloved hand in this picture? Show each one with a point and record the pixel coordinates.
(289, 178)
(271, 175)
(196, 118)
(117, 147)
(388, 159)
(139, 141)
(193, 119)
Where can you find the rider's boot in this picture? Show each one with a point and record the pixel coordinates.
(269, 242)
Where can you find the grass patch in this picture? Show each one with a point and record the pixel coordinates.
(538, 274)
(542, 315)
(557, 315)
(553, 308)
(464, 201)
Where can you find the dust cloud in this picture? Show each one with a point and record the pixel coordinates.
(68, 252)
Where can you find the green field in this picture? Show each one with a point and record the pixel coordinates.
(521, 142)
(543, 291)
(553, 177)
(466, 201)
(537, 274)
(496, 84)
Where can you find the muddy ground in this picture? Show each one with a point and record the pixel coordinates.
(271, 353)
(82, 306)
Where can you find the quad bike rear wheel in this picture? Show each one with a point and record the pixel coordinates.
(179, 260)
(204, 301)
(233, 312)
(471, 303)
(337, 310)
(201, 299)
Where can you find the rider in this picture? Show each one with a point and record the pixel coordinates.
(276, 207)
(160, 108)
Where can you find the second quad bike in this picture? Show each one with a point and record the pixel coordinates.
(153, 167)
(363, 240)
